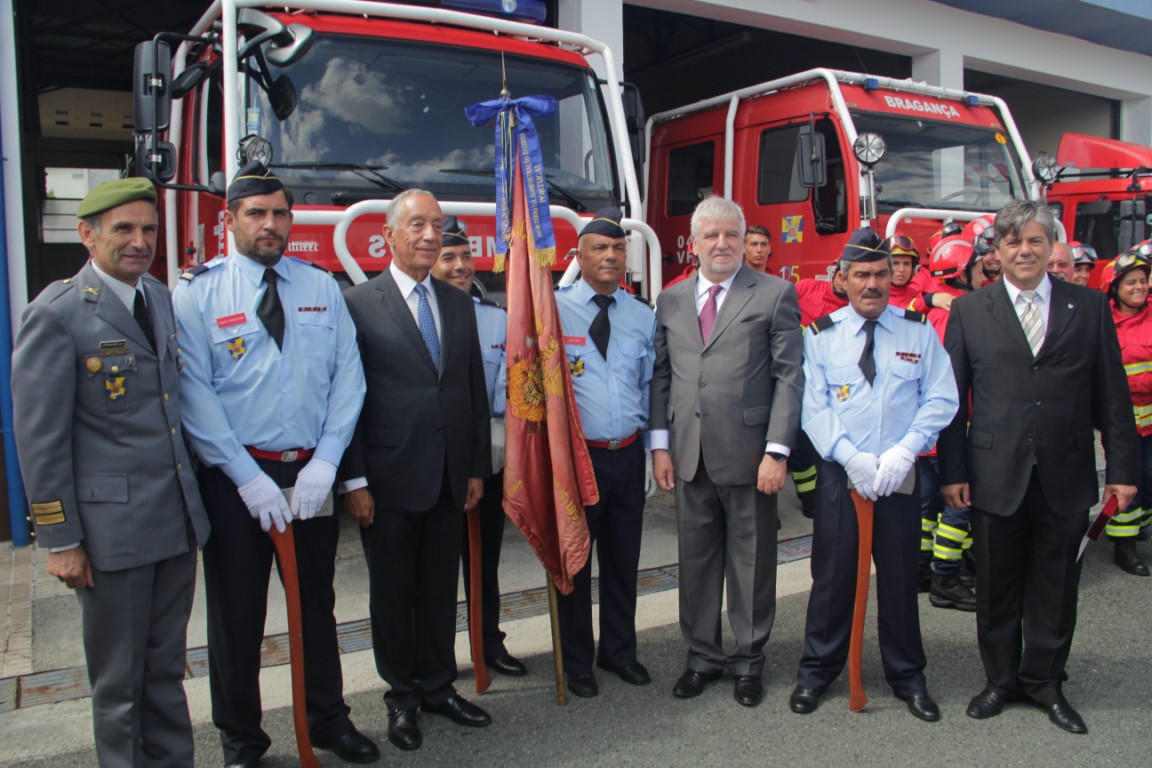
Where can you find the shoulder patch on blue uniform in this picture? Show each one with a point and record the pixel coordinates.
(489, 303)
(312, 264)
(190, 274)
(915, 316)
(821, 324)
(642, 300)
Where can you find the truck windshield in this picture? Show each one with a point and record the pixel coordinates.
(375, 116)
(936, 164)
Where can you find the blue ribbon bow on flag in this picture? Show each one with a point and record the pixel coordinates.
(515, 132)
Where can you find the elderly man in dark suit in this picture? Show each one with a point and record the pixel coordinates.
(96, 390)
(417, 461)
(1039, 361)
(727, 386)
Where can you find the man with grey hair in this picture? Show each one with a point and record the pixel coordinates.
(1060, 264)
(725, 414)
(416, 463)
(1037, 366)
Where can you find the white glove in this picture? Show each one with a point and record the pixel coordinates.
(650, 486)
(861, 470)
(497, 444)
(313, 485)
(893, 468)
(265, 502)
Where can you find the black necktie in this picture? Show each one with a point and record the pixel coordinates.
(271, 311)
(143, 319)
(867, 357)
(601, 330)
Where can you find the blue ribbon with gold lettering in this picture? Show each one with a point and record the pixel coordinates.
(515, 132)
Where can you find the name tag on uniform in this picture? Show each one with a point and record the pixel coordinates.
(229, 320)
(311, 309)
(110, 348)
(578, 341)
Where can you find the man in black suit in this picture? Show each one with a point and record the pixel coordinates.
(1030, 352)
(416, 463)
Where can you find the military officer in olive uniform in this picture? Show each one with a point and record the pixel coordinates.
(96, 388)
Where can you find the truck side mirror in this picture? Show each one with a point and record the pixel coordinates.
(151, 89)
(811, 159)
(634, 120)
(158, 162)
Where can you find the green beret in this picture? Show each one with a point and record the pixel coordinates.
(110, 194)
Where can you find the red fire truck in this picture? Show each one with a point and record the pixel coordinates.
(818, 154)
(351, 102)
(1102, 191)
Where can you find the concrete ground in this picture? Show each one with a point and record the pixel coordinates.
(1110, 683)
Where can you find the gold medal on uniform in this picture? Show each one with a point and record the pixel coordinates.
(93, 364)
(114, 385)
(842, 392)
(576, 367)
(236, 347)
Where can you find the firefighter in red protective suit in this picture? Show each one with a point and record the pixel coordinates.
(946, 532)
(1126, 279)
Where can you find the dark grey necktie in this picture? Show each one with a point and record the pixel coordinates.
(143, 319)
(601, 329)
(868, 356)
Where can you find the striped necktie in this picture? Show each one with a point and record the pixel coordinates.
(1031, 321)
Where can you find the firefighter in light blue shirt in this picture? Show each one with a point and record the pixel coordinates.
(608, 338)
(454, 266)
(878, 388)
(272, 390)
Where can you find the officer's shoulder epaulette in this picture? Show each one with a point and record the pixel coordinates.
(193, 272)
(54, 291)
(915, 316)
(312, 264)
(488, 303)
(642, 300)
(821, 324)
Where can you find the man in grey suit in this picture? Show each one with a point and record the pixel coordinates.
(95, 386)
(727, 386)
(417, 461)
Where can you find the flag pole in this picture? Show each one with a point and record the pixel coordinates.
(557, 650)
(476, 602)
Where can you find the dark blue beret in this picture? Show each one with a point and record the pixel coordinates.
(253, 179)
(455, 232)
(606, 222)
(864, 246)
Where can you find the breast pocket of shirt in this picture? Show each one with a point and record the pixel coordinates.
(233, 343)
(317, 335)
(905, 382)
(632, 355)
(846, 386)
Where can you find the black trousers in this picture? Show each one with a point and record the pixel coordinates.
(413, 572)
(237, 563)
(615, 525)
(896, 552)
(1027, 581)
(492, 518)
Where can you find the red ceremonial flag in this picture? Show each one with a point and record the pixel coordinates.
(548, 477)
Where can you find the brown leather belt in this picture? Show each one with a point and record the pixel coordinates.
(613, 445)
(287, 457)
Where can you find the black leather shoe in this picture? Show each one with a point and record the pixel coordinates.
(988, 703)
(921, 705)
(459, 711)
(748, 691)
(804, 701)
(244, 764)
(692, 683)
(583, 686)
(1066, 718)
(507, 665)
(1127, 558)
(948, 592)
(403, 730)
(633, 674)
(351, 747)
